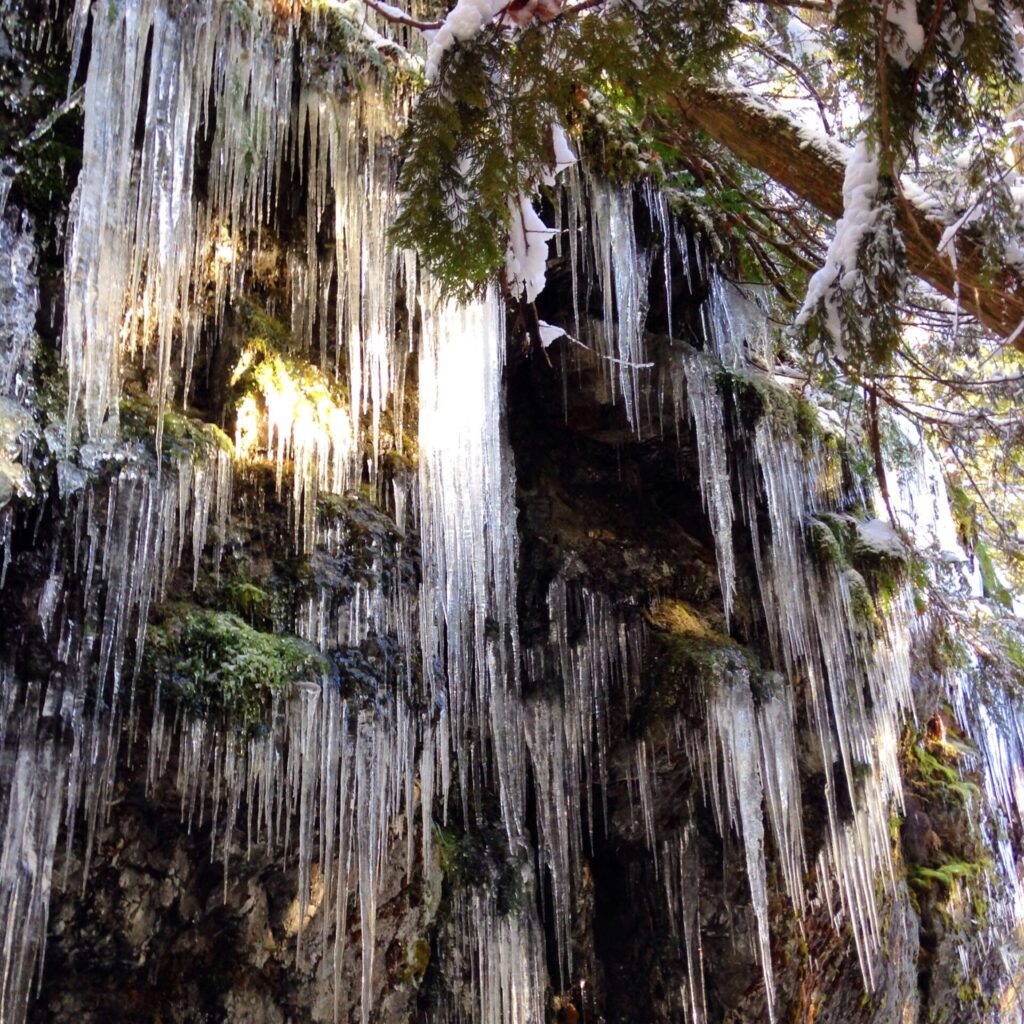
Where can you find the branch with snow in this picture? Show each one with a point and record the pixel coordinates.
(527, 255)
(860, 215)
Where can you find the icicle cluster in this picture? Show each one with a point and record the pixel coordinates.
(622, 281)
(469, 541)
(130, 534)
(351, 192)
(501, 961)
(334, 782)
(857, 684)
(140, 247)
(567, 732)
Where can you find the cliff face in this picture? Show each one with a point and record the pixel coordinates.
(363, 659)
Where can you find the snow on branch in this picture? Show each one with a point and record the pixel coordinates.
(813, 167)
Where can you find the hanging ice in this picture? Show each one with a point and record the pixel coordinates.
(468, 537)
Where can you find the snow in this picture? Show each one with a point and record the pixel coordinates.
(903, 15)
(549, 333)
(806, 41)
(563, 153)
(860, 190)
(949, 235)
(462, 22)
(878, 537)
(527, 254)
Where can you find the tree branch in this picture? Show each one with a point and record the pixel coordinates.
(813, 166)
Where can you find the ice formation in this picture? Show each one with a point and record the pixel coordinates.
(349, 785)
(139, 243)
(469, 540)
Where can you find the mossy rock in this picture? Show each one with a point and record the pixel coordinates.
(942, 830)
(397, 463)
(824, 545)
(417, 960)
(480, 859)
(372, 549)
(184, 437)
(215, 665)
(249, 601)
(755, 395)
(687, 658)
(374, 666)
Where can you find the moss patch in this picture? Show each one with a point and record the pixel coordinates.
(215, 664)
(755, 395)
(687, 658)
(184, 437)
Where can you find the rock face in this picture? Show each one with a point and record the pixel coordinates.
(163, 934)
(597, 706)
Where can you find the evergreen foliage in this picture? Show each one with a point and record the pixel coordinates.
(930, 88)
(481, 132)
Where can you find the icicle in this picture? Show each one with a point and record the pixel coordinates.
(780, 773)
(308, 425)
(708, 412)
(681, 874)
(733, 725)
(468, 535)
(622, 278)
(19, 300)
(31, 803)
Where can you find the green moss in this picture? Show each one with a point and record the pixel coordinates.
(480, 859)
(396, 462)
(861, 603)
(417, 960)
(807, 421)
(262, 327)
(945, 876)
(886, 573)
(215, 665)
(183, 436)
(250, 602)
(687, 658)
(874, 577)
(944, 823)
(823, 544)
(755, 395)
(942, 779)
